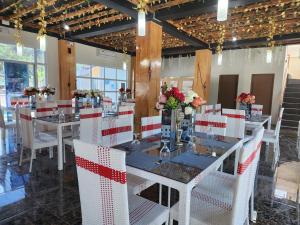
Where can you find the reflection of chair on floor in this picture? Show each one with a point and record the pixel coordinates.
(4, 124)
(298, 141)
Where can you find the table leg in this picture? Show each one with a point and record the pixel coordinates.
(59, 148)
(184, 206)
(236, 160)
(269, 126)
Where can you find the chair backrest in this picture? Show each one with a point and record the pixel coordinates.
(218, 109)
(150, 126)
(116, 131)
(278, 124)
(217, 123)
(21, 101)
(207, 109)
(101, 173)
(90, 125)
(45, 108)
(65, 106)
(107, 103)
(26, 125)
(247, 166)
(125, 111)
(256, 109)
(235, 122)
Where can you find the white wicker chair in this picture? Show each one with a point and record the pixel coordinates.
(235, 122)
(65, 105)
(32, 140)
(6, 125)
(256, 110)
(218, 109)
(107, 104)
(126, 111)
(216, 122)
(103, 190)
(223, 199)
(272, 136)
(150, 126)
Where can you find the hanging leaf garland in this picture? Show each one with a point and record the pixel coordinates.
(42, 21)
(18, 26)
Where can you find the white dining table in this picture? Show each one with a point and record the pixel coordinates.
(260, 121)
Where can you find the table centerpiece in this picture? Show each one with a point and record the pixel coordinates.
(31, 93)
(245, 101)
(48, 92)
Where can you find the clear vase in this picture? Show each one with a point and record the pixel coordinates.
(33, 101)
(246, 108)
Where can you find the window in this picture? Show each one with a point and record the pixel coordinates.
(30, 67)
(108, 80)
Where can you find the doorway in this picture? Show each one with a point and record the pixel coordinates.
(262, 87)
(228, 85)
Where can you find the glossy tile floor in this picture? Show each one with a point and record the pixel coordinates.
(50, 197)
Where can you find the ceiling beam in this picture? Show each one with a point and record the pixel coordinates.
(105, 29)
(128, 8)
(197, 8)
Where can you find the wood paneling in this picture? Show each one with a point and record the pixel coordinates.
(228, 85)
(262, 88)
(202, 73)
(148, 67)
(67, 69)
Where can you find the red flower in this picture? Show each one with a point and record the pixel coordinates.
(121, 90)
(128, 90)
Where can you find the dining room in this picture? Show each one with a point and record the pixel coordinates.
(119, 112)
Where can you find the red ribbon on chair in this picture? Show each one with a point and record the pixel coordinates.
(44, 109)
(126, 113)
(90, 116)
(243, 166)
(116, 130)
(151, 127)
(25, 117)
(210, 123)
(209, 111)
(109, 173)
(254, 109)
(235, 116)
(64, 106)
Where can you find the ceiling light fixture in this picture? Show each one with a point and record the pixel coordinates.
(222, 10)
(43, 42)
(269, 56)
(220, 59)
(141, 23)
(124, 65)
(66, 27)
(19, 49)
(234, 39)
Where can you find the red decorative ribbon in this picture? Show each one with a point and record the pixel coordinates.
(109, 173)
(64, 106)
(25, 117)
(210, 123)
(126, 113)
(116, 130)
(209, 111)
(107, 101)
(254, 109)
(235, 116)
(89, 116)
(151, 127)
(243, 166)
(44, 109)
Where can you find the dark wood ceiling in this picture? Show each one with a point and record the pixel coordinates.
(187, 24)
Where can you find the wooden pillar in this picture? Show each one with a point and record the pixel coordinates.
(67, 68)
(202, 73)
(147, 72)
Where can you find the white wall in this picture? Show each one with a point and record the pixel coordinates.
(293, 52)
(29, 40)
(243, 62)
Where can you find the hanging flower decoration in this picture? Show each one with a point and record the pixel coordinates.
(246, 98)
(41, 5)
(18, 26)
(170, 98)
(142, 5)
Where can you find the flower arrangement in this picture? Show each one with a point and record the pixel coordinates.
(47, 90)
(30, 91)
(122, 90)
(79, 93)
(95, 94)
(170, 98)
(128, 93)
(246, 98)
(192, 101)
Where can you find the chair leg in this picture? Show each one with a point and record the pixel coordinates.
(64, 147)
(50, 152)
(21, 156)
(31, 160)
(169, 197)
(160, 194)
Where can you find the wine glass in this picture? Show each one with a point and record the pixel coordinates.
(210, 137)
(136, 139)
(61, 116)
(165, 151)
(192, 144)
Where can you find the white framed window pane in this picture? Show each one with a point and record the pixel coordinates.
(41, 75)
(9, 52)
(83, 70)
(121, 74)
(110, 73)
(40, 56)
(110, 85)
(31, 75)
(113, 96)
(121, 84)
(83, 83)
(98, 84)
(97, 72)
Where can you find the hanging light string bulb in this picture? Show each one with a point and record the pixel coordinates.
(42, 23)
(19, 27)
(142, 11)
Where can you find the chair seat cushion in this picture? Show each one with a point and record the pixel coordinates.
(137, 184)
(269, 136)
(44, 140)
(143, 211)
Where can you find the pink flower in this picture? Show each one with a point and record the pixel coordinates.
(159, 106)
(162, 99)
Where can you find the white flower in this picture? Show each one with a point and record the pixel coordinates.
(190, 96)
(188, 110)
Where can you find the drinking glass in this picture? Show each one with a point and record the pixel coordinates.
(192, 144)
(61, 116)
(165, 151)
(136, 139)
(210, 137)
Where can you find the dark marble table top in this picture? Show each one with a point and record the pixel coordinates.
(258, 119)
(68, 118)
(184, 163)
